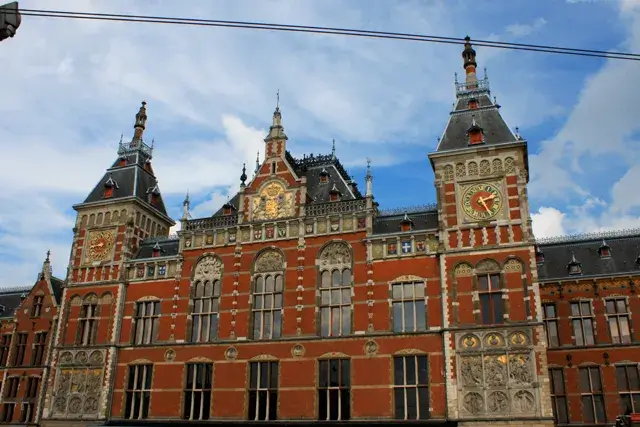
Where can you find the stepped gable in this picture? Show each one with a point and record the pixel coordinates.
(623, 256)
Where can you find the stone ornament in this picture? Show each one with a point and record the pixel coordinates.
(498, 401)
(471, 371)
(518, 338)
(335, 254)
(513, 265)
(520, 369)
(494, 340)
(231, 353)
(463, 269)
(371, 348)
(272, 202)
(208, 268)
(270, 260)
(487, 265)
(473, 403)
(470, 341)
(448, 173)
(170, 355)
(297, 350)
(78, 388)
(509, 165)
(523, 401)
(495, 369)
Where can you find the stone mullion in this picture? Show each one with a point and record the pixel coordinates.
(370, 299)
(477, 309)
(236, 276)
(506, 306)
(176, 297)
(300, 287)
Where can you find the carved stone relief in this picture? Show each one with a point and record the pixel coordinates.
(513, 265)
(487, 265)
(496, 373)
(336, 253)
(79, 383)
(448, 173)
(270, 260)
(208, 268)
(463, 269)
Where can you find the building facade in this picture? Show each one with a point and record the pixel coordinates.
(300, 300)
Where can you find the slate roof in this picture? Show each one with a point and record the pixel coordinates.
(311, 166)
(487, 116)
(57, 285)
(10, 300)
(624, 249)
(426, 220)
(168, 247)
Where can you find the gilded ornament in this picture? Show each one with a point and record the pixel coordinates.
(297, 350)
(493, 339)
(272, 202)
(100, 245)
(470, 341)
(481, 201)
(518, 338)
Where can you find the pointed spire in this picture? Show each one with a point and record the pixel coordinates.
(275, 142)
(185, 207)
(469, 64)
(369, 179)
(141, 123)
(333, 150)
(518, 133)
(243, 177)
(257, 163)
(46, 266)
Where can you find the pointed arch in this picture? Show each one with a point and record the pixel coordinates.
(268, 259)
(267, 290)
(335, 282)
(487, 265)
(205, 293)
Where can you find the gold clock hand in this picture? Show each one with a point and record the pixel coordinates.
(481, 199)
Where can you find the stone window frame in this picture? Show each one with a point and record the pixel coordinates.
(204, 412)
(88, 320)
(7, 415)
(404, 386)
(593, 393)
(559, 395)
(144, 324)
(403, 281)
(581, 318)
(617, 317)
(36, 306)
(136, 370)
(27, 412)
(199, 276)
(38, 348)
(322, 267)
(625, 388)
(5, 348)
(263, 268)
(343, 388)
(489, 267)
(20, 349)
(551, 320)
(270, 389)
(8, 395)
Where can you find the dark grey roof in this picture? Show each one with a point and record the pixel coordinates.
(57, 285)
(487, 116)
(168, 247)
(624, 249)
(312, 166)
(427, 220)
(10, 300)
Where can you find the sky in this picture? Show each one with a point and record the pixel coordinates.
(71, 88)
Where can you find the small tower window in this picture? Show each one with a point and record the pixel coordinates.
(574, 267)
(274, 167)
(324, 176)
(406, 224)
(156, 251)
(227, 208)
(109, 187)
(473, 104)
(475, 133)
(153, 194)
(334, 194)
(147, 166)
(604, 250)
(122, 161)
(539, 256)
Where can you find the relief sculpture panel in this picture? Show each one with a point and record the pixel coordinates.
(496, 374)
(79, 384)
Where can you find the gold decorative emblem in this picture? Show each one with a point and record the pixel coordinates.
(481, 201)
(99, 245)
(518, 338)
(272, 202)
(470, 341)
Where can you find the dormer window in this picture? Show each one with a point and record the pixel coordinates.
(406, 224)
(334, 194)
(156, 250)
(122, 161)
(539, 256)
(324, 176)
(475, 133)
(154, 194)
(109, 187)
(574, 267)
(473, 104)
(604, 250)
(147, 166)
(227, 208)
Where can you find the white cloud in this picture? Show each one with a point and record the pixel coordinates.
(523, 30)
(547, 222)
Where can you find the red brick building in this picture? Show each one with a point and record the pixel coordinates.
(301, 300)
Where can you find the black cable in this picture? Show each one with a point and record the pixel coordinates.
(327, 30)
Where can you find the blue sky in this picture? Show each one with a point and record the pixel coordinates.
(70, 88)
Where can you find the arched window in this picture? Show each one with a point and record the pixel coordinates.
(268, 286)
(88, 320)
(489, 286)
(205, 299)
(336, 280)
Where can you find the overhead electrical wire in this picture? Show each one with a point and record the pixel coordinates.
(327, 30)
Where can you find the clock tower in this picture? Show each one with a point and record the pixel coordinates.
(491, 301)
(124, 207)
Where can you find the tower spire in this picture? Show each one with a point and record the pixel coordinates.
(275, 142)
(141, 122)
(46, 266)
(469, 64)
(185, 207)
(257, 163)
(369, 179)
(333, 150)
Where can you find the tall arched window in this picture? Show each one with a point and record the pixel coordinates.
(488, 282)
(88, 320)
(205, 299)
(335, 264)
(268, 287)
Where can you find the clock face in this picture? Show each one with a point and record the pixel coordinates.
(481, 201)
(99, 245)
